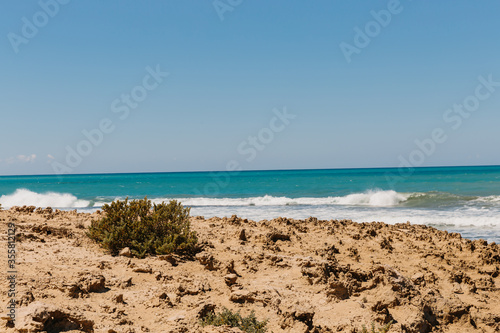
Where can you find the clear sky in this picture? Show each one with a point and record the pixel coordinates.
(279, 84)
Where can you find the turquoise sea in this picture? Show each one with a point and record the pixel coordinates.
(458, 199)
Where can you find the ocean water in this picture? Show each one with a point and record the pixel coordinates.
(457, 199)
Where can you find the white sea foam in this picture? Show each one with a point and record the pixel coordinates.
(23, 197)
(461, 218)
(490, 198)
(370, 198)
(373, 198)
(66, 200)
(475, 218)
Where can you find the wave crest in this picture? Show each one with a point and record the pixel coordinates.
(373, 198)
(370, 198)
(26, 197)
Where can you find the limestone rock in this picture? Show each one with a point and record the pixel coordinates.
(143, 269)
(242, 296)
(125, 252)
(298, 316)
(40, 317)
(126, 282)
(243, 236)
(230, 279)
(204, 310)
(87, 283)
(208, 260)
(118, 298)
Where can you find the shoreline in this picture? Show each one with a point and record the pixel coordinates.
(466, 231)
(301, 275)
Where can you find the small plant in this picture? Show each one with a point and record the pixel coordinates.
(383, 329)
(248, 324)
(145, 228)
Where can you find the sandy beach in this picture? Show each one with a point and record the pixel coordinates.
(300, 275)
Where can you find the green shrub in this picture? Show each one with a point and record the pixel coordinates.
(145, 228)
(383, 329)
(227, 317)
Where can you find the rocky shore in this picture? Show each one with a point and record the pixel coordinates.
(299, 275)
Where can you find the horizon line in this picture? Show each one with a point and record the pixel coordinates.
(236, 171)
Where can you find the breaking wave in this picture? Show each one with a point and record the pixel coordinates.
(23, 197)
(371, 198)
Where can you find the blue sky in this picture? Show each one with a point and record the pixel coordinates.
(232, 67)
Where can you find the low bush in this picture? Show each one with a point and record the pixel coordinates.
(248, 324)
(383, 329)
(145, 228)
